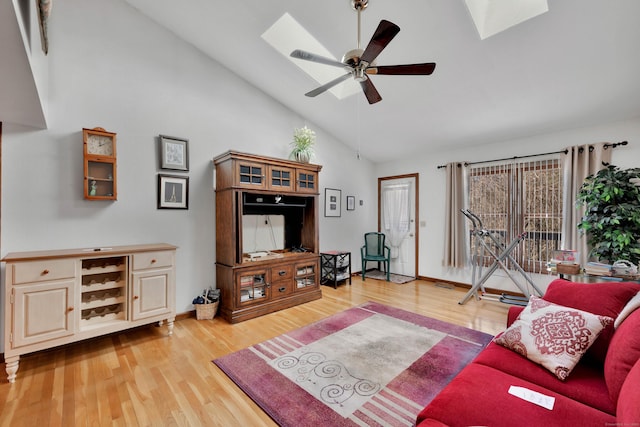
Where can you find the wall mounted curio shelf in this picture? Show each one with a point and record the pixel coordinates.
(100, 181)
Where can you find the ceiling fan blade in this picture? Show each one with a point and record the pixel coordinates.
(408, 69)
(326, 86)
(383, 35)
(308, 56)
(370, 91)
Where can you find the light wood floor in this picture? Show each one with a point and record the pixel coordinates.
(142, 377)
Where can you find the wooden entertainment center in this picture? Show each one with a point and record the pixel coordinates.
(279, 199)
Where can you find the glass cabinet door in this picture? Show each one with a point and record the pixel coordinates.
(281, 178)
(253, 286)
(100, 181)
(251, 175)
(306, 275)
(307, 181)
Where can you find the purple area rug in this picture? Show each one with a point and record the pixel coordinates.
(370, 365)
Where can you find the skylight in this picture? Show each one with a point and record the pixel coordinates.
(287, 34)
(494, 16)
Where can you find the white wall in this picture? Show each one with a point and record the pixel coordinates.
(432, 185)
(111, 67)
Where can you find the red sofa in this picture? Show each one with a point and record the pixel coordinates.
(602, 390)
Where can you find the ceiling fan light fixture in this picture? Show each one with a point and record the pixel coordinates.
(352, 58)
(359, 73)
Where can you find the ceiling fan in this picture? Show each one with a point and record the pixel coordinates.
(360, 63)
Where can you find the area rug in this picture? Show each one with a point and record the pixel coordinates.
(371, 365)
(395, 278)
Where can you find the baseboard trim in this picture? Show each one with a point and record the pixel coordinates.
(466, 286)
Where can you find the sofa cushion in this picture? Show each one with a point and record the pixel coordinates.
(623, 353)
(586, 383)
(605, 299)
(628, 413)
(513, 313)
(478, 396)
(553, 335)
(632, 305)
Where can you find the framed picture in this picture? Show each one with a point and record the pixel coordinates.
(174, 153)
(173, 192)
(351, 203)
(332, 201)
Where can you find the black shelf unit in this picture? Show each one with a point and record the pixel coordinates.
(335, 267)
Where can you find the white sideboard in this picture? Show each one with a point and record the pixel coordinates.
(61, 296)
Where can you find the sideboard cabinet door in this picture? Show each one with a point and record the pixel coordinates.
(152, 293)
(43, 312)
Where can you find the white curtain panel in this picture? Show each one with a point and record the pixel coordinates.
(396, 215)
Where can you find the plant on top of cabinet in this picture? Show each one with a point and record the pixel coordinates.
(302, 144)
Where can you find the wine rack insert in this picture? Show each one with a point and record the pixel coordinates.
(103, 294)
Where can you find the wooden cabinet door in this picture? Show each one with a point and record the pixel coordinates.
(306, 275)
(251, 175)
(281, 178)
(43, 312)
(252, 287)
(152, 293)
(306, 181)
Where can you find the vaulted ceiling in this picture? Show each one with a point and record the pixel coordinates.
(576, 65)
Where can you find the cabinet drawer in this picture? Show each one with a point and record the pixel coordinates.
(41, 271)
(282, 288)
(144, 260)
(281, 272)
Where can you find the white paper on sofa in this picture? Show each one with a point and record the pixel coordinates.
(534, 397)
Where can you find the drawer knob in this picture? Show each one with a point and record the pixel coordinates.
(44, 272)
(282, 289)
(136, 297)
(153, 261)
(70, 309)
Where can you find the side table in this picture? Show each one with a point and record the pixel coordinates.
(335, 266)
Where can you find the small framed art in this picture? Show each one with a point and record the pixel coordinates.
(351, 203)
(173, 192)
(174, 153)
(332, 202)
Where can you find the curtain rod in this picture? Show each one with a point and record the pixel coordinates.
(565, 151)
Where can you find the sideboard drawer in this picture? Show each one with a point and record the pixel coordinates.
(41, 271)
(145, 260)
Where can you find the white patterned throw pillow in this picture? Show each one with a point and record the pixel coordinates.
(552, 335)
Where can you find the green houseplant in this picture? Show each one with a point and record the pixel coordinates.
(302, 144)
(611, 198)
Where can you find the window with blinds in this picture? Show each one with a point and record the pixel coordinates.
(520, 197)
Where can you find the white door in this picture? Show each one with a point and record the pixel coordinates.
(398, 222)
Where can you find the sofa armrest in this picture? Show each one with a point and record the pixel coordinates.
(514, 311)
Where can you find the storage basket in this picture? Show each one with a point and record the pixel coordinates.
(206, 311)
(568, 268)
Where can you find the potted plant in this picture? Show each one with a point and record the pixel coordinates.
(611, 221)
(302, 144)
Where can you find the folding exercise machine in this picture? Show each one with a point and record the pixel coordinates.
(487, 242)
